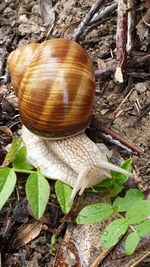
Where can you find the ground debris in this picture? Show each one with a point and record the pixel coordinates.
(122, 108)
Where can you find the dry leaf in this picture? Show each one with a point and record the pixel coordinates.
(69, 30)
(47, 12)
(142, 27)
(5, 130)
(146, 4)
(26, 233)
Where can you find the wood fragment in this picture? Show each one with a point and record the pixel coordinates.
(4, 5)
(138, 61)
(121, 38)
(136, 106)
(141, 75)
(107, 11)
(118, 136)
(86, 20)
(122, 102)
(104, 74)
(91, 42)
(140, 260)
(145, 110)
(138, 103)
(131, 24)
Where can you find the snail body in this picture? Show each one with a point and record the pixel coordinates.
(55, 88)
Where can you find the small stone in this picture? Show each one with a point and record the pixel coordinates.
(133, 96)
(141, 87)
(23, 18)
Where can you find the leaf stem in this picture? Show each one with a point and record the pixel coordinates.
(23, 170)
(122, 217)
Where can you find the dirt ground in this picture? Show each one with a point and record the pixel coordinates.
(122, 108)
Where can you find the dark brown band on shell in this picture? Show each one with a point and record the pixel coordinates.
(56, 89)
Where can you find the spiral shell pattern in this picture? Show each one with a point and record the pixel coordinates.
(55, 85)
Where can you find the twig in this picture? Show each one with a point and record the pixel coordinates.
(60, 229)
(141, 75)
(91, 42)
(136, 106)
(141, 259)
(105, 74)
(121, 37)
(146, 23)
(86, 20)
(131, 13)
(118, 108)
(4, 5)
(144, 112)
(118, 137)
(107, 11)
(138, 61)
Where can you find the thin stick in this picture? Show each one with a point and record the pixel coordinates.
(86, 20)
(131, 14)
(105, 74)
(121, 37)
(122, 102)
(107, 11)
(144, 112)
(4, 5)
(141, 259)
(118, 137)
(138, 61)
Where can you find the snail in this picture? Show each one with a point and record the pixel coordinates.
(55, 85)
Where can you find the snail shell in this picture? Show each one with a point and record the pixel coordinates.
(55, 85)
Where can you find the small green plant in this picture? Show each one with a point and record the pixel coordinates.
(37, 187)
(131, 210)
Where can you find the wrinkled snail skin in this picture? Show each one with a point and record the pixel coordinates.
(55, 85)
(76, 161)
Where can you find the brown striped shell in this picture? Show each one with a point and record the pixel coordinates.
(55, 85)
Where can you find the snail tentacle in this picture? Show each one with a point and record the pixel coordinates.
(80, 184)
(109, 166)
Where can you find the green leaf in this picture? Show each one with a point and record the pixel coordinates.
(143, 228)
(11, 154)
(7, 184)
(116, 189)
(94, 213)
(63, 193)
(138, 211)
(131, 243)
(103, 186)
(127, 165)
(115, 184)
(20, 161)
(53, 245)
(120, 178)
(37, 191)
(123, 204)
(113, 232)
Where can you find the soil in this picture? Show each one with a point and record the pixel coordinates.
(124, 108)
